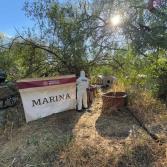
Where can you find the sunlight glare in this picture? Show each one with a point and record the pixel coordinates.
(116, 20)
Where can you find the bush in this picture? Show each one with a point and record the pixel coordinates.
(159, 76)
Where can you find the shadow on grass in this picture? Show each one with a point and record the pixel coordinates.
(115, 124)
(139, 156)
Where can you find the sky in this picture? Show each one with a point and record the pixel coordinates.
(12, 16)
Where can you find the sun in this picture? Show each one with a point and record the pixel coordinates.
(116, 20)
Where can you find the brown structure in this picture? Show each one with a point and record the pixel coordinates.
(114, 99)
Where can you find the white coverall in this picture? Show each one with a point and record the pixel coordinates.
(82, 85)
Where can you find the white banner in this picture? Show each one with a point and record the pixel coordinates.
(43, 97)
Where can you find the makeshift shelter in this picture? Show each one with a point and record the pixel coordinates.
(105, 80)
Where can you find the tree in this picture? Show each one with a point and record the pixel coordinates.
(74, 36)
(29, 61)
(146, 25)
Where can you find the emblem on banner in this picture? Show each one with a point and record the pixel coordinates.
(45, 83)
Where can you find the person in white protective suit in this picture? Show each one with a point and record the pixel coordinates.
(82, 85)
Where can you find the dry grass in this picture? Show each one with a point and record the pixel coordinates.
(151, 112)
(72, 139)
(149, 109)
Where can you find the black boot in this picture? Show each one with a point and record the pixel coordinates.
(84, 108)
(79, 110)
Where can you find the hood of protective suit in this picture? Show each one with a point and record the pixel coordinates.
(82, 74)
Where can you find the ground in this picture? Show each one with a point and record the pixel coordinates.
(89, 139)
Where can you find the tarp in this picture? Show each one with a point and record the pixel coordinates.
(43, 97)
